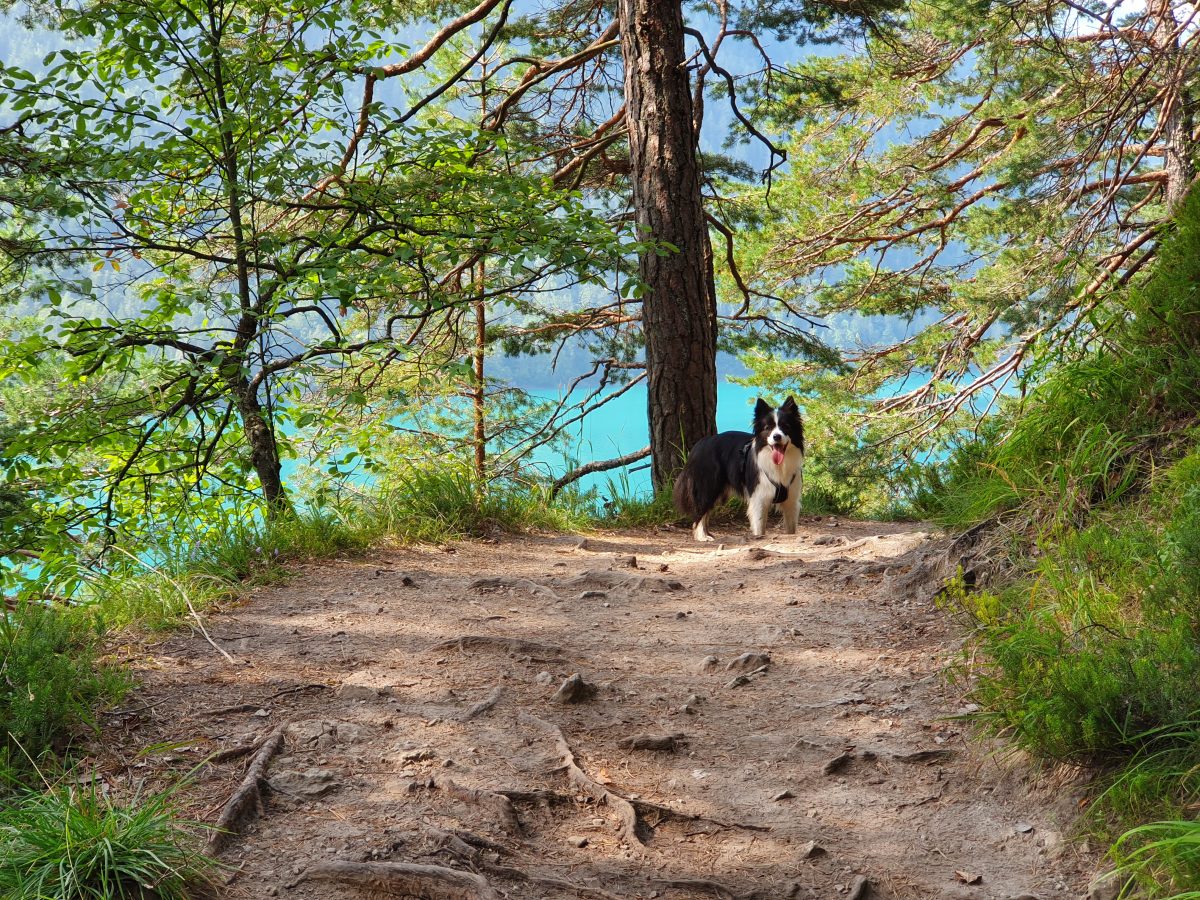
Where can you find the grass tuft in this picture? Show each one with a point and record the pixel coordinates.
(71, 842)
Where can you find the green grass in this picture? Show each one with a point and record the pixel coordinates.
(431, 503)
(71, 842)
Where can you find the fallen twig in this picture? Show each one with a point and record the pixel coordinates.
(200, 625)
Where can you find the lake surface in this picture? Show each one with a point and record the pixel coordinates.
(621, 427)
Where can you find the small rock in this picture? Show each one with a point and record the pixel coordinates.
(544, 678)
(681, 615)
(709, 664)
(968, 877)
(836, 764)
(574, 690)
(812, 850)
(860, 888)
(577, 840)
(1106, 886)
(783, 795)
(407, 581)
(593, 595)
(260, 713)
(748, 661)
(1022, 828)
(630, 562)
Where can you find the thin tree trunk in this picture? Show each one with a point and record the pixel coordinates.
(480, 408)
(679, 311)
(260, 437)
(259, 432)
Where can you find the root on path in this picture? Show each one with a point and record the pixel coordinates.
(404, 879)
(585, 783)
(246, 803)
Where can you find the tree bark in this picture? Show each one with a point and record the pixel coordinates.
(478, 394)
(264, 451)
(260, 434)
(1175, 108)
(679, 310)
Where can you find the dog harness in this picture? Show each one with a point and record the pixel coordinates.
(781, 490)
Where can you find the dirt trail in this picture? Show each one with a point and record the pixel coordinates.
(412, 736)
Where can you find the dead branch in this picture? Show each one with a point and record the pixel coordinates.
(597, 466)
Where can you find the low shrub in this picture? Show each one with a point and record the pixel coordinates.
(51, 680)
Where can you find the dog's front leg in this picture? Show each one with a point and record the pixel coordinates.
(791, 506)
(757, 507)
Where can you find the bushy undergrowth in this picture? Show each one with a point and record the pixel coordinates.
(68, 842)
(1093, 654)
(51, 680)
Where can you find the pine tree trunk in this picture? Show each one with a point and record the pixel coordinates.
(679, 311)
(1175, 108)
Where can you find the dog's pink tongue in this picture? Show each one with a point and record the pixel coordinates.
(777, 457)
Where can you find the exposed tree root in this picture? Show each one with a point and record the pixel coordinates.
(498, 804)
(403, 879)
(510, 645)
(466, 847)
(561, 884)
(483, 705)
(247, 801)
(667, 813)
(583, 782)
(699, 885)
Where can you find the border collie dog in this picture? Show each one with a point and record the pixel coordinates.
(765, 468)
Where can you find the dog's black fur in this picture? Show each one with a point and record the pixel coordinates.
(742, 463)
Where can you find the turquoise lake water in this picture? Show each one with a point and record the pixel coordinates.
(621, 427)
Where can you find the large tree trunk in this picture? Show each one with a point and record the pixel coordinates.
(1175, 109)
(679, 310)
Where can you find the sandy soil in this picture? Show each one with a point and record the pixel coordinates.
(839, 770)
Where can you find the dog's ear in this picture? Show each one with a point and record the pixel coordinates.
(761, 409)
(790, 401)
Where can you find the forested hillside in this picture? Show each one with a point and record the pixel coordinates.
(284, 279)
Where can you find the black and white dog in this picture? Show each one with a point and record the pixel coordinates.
(764, 468)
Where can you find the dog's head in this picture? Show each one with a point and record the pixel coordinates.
(779, 428)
